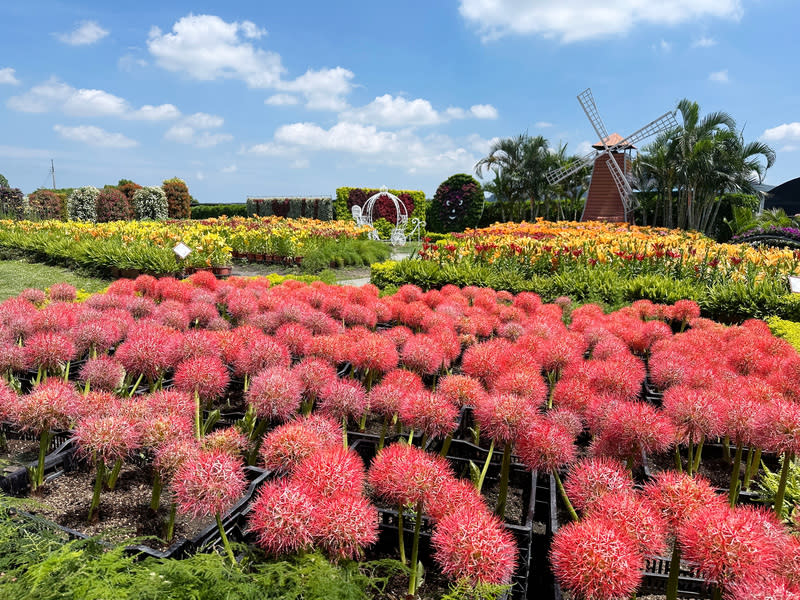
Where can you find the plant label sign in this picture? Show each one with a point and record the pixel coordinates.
(182, 250)
(794, 284)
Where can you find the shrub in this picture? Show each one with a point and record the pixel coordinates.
(113, 205)
(178, 199)
(46, 204)
(82, 204)
(150, 203)
(457, 204)
(346, 197)
(11, 202)
(3, 181)
(293, 208)
(128, 187)
(209, 211)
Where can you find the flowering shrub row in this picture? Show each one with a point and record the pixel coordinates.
(147, 245)
(538, 377)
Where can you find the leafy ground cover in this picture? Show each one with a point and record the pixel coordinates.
(17, 275)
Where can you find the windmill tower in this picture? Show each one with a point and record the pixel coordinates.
(610, 197)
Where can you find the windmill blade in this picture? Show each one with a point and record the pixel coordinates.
(555, 175)
(623, 186)
(665, 122)
(590, 108)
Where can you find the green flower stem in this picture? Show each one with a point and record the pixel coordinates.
(98, 487)
(502, 496)
(344, 432)
(112, 479)
(257, 436)
(737, 463)
(787, 462)
(726, 449)
(66, 372)
(485, 469)
(171, 522)
(678, 461)
(197, 430)
(698, 452)
(225, 541)
(410, 437)
(752, 470)
(412, 583)
(402, 543)
(564, 497)
(674, 572)
(155, 500)
(44, 443)
(446, 445)
(423, 441)
(690, 456)
(135, 385)
(384, 429)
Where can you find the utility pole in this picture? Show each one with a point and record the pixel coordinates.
(53, 172)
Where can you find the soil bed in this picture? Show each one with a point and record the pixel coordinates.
(124, 512)
(18, 453)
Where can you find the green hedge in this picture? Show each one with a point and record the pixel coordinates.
(728, 302)
(210, 211)
(293, 208)
(343, 193)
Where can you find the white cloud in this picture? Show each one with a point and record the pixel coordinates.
(787, 132)
(251, 30)
(542, 124)
(396, 111)
(200, 176)
(267, 149)
(790, 148)
(56, 96)
(281, 100)
(583, 148)
(324, 89)
(704, 42)
(206, 48)
(300, 163)
(576, 20)
(190, 130)
(94, 136)
(86, 33)
(483, 111)
(229, 169)
(129, 62)
(719, 76)
(664, 46)
(8, 76)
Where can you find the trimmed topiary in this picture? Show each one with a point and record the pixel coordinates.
(11, 202)
(113, 205)
(82, 204)
(150, 203)
(46, 204)
(457, 204)
(3, 181)
(128, 187)
(178, 199)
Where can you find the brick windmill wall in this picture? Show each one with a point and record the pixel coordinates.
(603, 201)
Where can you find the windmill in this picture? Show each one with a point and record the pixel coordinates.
(610, 197)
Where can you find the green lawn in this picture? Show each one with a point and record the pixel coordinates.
(16, 275)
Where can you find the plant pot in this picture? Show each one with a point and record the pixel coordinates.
(298, 260)
(222, 271)
(258, 257)
(129, 273)
(16, 482)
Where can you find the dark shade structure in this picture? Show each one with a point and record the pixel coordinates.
(785, 196)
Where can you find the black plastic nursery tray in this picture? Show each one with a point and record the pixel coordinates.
(16, 482)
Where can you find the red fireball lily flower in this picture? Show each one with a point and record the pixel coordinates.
(430, 414)
(109, 437)
(422, 354)
(504, 417)
(461, 390)
(374, 353)
(282, 518)
(589, 479)
(404, 474)
(314, 374)
(206, 376)
(630, 428)
(208, 484)
(275, 394)
(545, 446)
(62, 292)
(289, 444)
(229, 440)
(333, 471)
(452, 495)
(642, 522)
(343, 398)
(678, 496)
(49, 351)
(102, 373)
(472, 544)
(344, 525)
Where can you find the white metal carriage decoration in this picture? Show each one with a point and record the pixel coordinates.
(363, 216)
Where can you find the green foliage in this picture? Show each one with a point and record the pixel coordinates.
(3, 181)
(768, 488)
(178, 199)
(37, 564)
(82, 204)
(292, 208)
(464, 590)
(16, 275)
(342, 206)
(113, 205)
(384, 228)
(324, 253)
(210, 211)
(46, 204)
(128, 187)
(457, 204)
(788, 330)
(150, 203)
(11, 203)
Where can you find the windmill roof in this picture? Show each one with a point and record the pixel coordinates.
(612, 140)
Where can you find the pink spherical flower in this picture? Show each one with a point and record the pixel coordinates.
(49, 351)
(275, 394)
(289, 444)
(50, 405)
(404, 474)
(429, 414)
(630, 428)
(208, 484)
(451, 495)
(471, 543)
(774, 587)
(282, 518)
(782, 427)
(331, 471)
(262, 352)
(173, 453)
(526, 383)
(314, 374)
(728, 545)
(13, 358)
(461, 390)
(99, 336)
(144, 352)
(345, 524)
(343, 398)
(102, 373)
(62, 292)
(422, 354)
(596, 559)
(229, 440)
(504, 417)
(545, 446)
(640, 520)
(109, 437)
(205, 375)
(590, 479)
(677, 496)
(694, 412)
(483, 361)
(373, 352)
(295, 337)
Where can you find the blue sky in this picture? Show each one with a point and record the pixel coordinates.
(298, 98)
